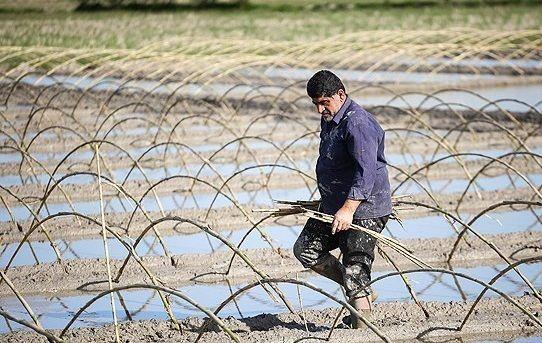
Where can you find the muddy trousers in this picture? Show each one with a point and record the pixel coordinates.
(315, 242)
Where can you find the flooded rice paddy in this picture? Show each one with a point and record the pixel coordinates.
(98, 169)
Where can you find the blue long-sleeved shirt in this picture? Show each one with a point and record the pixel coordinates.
(352, 164)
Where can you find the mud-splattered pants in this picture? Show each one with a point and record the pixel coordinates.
(316, 241)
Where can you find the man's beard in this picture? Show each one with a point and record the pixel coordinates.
(327, 116)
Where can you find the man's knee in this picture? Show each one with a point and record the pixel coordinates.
(298, 251)
(304, 254)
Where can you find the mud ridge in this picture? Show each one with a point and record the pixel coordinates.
(398, 321)
(83, 275)
(230, 218)
(185, 185)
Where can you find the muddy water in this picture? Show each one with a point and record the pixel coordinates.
(302, 74)
(262, 197)
(88, 154)
(458, 185)
(170, 202)
(85, 155)
(303, 164)
(530, 94)
(492, 223)
(181, 244)
(478, 62)
(531, 339)
(153, 174)
(412, 158)
(281, 236)
(55, 312)
(525, 97)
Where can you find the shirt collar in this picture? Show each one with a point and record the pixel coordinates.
(337, 118)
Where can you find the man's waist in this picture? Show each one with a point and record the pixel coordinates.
(365, 212)
(334, 187)
(332, 168)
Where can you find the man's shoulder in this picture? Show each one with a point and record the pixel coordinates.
(358, 115)
(356, 111)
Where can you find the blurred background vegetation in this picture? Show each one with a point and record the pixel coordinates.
(137, 23)
(280, 5)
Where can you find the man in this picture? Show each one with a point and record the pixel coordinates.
(354, 188)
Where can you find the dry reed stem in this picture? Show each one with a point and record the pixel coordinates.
(23, 302)
(106, 249)
(50, 337)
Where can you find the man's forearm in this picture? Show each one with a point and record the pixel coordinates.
(351, 205)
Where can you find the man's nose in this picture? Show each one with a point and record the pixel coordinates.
(320, 108)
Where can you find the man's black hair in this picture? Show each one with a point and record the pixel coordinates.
(324, 83)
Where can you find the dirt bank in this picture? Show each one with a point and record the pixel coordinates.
(250, 180)
(230, 218)
(179, 156)
(89, 274)
(493, 318)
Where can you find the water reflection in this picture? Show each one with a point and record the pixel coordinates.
(55, 312)
(281, 236)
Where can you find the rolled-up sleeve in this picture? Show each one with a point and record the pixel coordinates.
(362, 142)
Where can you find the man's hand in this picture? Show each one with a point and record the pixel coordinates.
(344, 216)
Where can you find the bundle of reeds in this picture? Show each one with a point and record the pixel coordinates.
(310, 210)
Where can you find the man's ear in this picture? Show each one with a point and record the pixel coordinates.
(342, 94)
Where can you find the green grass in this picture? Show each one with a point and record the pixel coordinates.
(131, 29)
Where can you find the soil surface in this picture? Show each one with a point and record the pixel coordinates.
(225, 135)
(83, 275)
(231, 218)
(398, 321)
(281, 178)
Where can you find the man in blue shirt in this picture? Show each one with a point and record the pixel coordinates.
(354, 188)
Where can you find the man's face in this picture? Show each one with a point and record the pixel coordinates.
(329, 106)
